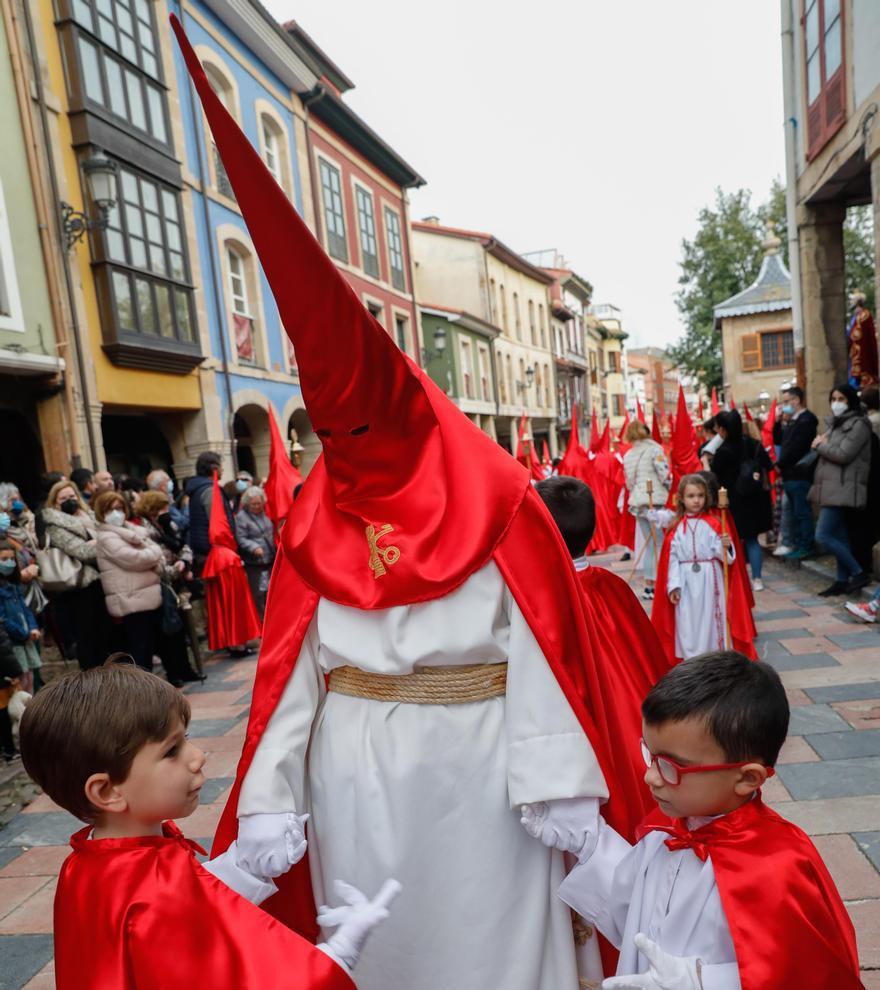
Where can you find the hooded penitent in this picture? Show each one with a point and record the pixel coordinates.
(408, 501)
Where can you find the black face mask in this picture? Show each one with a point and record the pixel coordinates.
(165, 522)
(70, 506)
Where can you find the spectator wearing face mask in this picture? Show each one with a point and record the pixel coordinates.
(70, 527)
(255, 535)
(161, 481)
(797, 470)
(841, 483)
(17, 524)
(131, 566)
(18, 620)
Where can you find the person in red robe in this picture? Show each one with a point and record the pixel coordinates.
(417, 545)
(134, 908)
(862, 340)
(232, 615)
(720, 892)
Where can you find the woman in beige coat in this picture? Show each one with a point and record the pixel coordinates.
(131, 566)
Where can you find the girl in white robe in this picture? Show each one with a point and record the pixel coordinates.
(425, 793)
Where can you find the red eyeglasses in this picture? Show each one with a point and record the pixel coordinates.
(672, 773)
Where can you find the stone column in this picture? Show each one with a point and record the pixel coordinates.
(872, 153)
(820, 230)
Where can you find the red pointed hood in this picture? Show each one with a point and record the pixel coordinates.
(219, 531)
(575, 463)
(283, 477)
(410, 498)
(684, 441)
(656, 435)
(767, 429)
(715, 407)
(545, 454)
(595, 435)
(640, 413)
(748, 412)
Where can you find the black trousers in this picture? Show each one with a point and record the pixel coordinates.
(141, 636)
(94, 634)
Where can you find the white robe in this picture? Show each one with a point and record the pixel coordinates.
(430, 794)
(670, 896)
(701, 614)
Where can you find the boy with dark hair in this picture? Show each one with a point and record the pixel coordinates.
(133, 907)
(719, 892)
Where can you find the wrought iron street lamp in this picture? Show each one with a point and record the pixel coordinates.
(100, 174)
(527, 384)
(439, 346)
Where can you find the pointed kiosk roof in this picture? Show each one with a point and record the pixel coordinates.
(771, 290)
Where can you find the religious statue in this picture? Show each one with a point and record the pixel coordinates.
(862, 339)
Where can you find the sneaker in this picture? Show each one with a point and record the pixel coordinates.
(866, 611)
(648, 594)
(857, 582)
(757, 585)
(838, 588)
(782, 550)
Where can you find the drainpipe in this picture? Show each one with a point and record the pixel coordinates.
(313, 96)
(789, 101)
(44, 213)
(212, 261)
(68, 278)
(412, 276)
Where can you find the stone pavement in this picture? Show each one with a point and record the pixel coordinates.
(828, 778)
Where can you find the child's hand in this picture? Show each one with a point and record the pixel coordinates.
(355, 919)
(725, 540)
(675, 596)
(36, 634)
(666, 972)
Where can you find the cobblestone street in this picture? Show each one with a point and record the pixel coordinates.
(828, 779)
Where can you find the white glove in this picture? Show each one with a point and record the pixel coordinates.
(226, 869)
(268, 845)
(356, 919)
(569, 824)
(666, 972)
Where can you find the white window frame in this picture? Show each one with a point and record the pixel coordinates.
(14, 319)
(336, 167)
(358, 190)
(238, 299)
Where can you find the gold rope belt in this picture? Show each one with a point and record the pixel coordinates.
(428, 686)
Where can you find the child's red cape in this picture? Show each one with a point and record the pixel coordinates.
(787, 921)
(142, 914)
(232, 616)
(739, 610)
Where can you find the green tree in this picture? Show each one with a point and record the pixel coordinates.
(858, 249)
(721, 260)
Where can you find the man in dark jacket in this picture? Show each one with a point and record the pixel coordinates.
(9, 671)
(797, 440)
(201, 494)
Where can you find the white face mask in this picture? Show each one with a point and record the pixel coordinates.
(839, 408)
(116, 517)
(713, 444)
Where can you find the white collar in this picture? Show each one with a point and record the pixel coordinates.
(581, 563)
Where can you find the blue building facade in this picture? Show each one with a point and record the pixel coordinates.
(251, 368)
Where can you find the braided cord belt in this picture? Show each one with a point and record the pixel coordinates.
(428, 686)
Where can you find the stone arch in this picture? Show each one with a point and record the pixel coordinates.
(251, 428)
(298, 419)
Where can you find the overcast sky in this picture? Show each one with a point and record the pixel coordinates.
(596, 127)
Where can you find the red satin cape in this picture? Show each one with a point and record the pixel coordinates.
(142, 914)
(536, 567)
(739, 610)
(787, 920)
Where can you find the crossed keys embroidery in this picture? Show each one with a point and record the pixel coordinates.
(380, 556)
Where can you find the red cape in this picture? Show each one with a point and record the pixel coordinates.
(232, 616)
(282, 478)
(739, 610)
(536, 567)
(142, 914)
(787, 921)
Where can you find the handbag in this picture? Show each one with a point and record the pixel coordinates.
(58, 570)
(172, 622)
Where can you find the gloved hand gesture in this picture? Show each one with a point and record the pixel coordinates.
(356, 919)
(666, 972)
(269, 844)
(569, 824)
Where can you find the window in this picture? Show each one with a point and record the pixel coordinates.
(334, 218)
(548, 383)
(223, 88)
(777, 349)
(467, 369)
(125, 26)
(542, 325)
(377, 311)
(401, 327)
(144, 245)
(533, 334)
(613, 362)
(494, 314)
(124, 91)
(242, 317)
(484, 374)
(503, 308)
(367, 227)
(510, 387)
(618, 405)
(516, 316)
(271, 150)
(822, 24)
(11, 313)
(539, 386)
(395, 250)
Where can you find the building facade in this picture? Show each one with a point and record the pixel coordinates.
(612, 363)
(756, 333)
(474, 272)
(831, 78)
(660, 377)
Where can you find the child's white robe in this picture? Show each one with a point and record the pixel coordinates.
(669, 895)
(430, 794)
(701, 614)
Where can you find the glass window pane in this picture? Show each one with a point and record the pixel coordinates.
(149, 196)
(163, 301)
(833, 49)
(157, 260)
(105, 7)
(169, 205)
(114, 84)
(812, 29)
(138, 252)
(115, 245)
(814, 80)
(123, 18)
(91, 71)
(135, 100)
(157, 114)
(127, 47)
(145, 36)
(172, 236)
(184, 326)
(154, 228)
(134, 220)
(122, 295)
(142, 9)
(149, 63)
(107, 31)
(81, 12)
(178, 269)
(832, 10)
(145, 305)
(129, 187)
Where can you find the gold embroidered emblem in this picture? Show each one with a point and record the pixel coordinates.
(380, 556)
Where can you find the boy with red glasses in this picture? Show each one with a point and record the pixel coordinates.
(719, 892)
